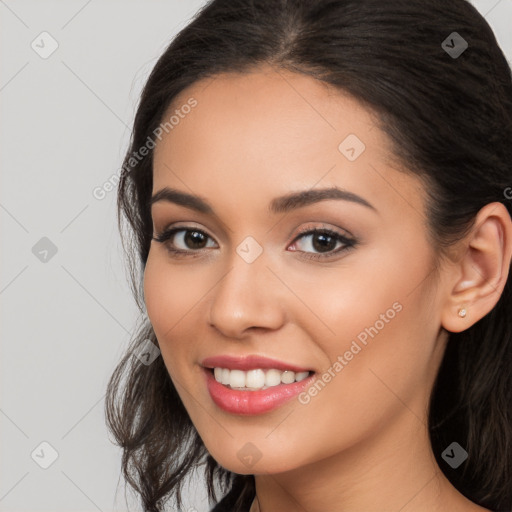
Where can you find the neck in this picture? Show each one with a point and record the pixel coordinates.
(395, 470)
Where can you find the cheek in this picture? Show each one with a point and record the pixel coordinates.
(360, 298)
(383, 357)
(362, 388)
(169, 294)
(169, 297)
(380, 337)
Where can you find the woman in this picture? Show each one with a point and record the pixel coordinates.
(318, 200)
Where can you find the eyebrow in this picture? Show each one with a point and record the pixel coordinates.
(281, 204)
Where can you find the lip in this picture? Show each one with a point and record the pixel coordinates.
(253, 402)
(250, 362)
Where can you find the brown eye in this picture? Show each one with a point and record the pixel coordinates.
(195, 239)
(323, 243)
(182, 240)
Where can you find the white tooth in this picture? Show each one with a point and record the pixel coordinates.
(255, 378)
(217, 372)
(301, 376)
(225, 376)
(288, 377)
(237, 379)
(272, 378)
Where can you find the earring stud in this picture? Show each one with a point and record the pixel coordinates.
(462, 312)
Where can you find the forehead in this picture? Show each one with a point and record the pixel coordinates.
(266, 115)
(264, 133)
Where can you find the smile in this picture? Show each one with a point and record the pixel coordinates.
(257, 378)
(251, 401)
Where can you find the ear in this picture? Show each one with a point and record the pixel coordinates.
(477, 278)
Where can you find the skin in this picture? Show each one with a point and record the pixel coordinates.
(361, 444)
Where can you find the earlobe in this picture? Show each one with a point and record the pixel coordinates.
(482, 271)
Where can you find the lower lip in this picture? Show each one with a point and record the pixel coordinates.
(253, 402)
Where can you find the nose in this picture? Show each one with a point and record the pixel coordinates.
(248, 297)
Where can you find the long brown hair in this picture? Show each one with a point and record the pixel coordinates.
(450, 120)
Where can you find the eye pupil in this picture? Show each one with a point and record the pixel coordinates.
(328, 242)
(195, 238)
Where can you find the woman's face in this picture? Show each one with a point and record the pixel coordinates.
(362, 311)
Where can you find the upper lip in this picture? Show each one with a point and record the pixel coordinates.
(250, 362)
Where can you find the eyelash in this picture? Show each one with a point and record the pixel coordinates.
(348, 243)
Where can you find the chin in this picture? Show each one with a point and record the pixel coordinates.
(248, 460)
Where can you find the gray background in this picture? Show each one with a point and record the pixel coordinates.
(66, 321)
